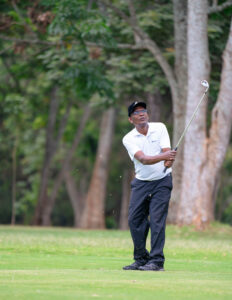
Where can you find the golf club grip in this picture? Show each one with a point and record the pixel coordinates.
(165, 169)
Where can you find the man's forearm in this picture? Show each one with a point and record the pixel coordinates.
(150, 160)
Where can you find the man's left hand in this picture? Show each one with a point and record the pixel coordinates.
(168, 163)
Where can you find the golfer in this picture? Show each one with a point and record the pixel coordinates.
(148, 146)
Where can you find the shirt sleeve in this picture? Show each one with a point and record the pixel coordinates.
(131, 147)
(164, 138)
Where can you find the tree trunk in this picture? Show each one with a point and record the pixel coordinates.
(219, 135)
(48, 206)
(75, 196)
(179, 104)
(49, 153)
(194, 208)
(154, 104)
(93, 216)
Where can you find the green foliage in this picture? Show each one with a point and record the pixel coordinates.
(14, 104)
(111, 222)
(158, 21)
(228, 211)
(223, 209)
(71, 64)
(5, 192)
(218, 30)
(88, 79)
(73, 20)
(136, 73)
(26, 198)
(30, 71)
(62, 214)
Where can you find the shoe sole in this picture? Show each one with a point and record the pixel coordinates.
(160, 270)
(131, 269)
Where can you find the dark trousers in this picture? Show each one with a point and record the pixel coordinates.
(149, 198)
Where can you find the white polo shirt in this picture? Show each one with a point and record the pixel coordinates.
(151, 144)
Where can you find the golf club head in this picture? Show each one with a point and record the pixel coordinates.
(205, 83)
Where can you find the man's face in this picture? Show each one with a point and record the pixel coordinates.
(139, 116)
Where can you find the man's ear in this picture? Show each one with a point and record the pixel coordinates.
(130, 120)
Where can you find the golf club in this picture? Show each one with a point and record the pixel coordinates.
(206, 85)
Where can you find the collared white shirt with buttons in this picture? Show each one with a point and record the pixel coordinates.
(151, 144)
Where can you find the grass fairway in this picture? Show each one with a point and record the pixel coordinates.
(55, 263)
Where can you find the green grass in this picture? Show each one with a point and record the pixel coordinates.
(55, 263)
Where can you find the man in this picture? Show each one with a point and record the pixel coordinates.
(148, 146)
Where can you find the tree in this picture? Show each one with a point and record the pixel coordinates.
(203, 160)
(51, 146)
(73, 71)
(65, 174)
(93, 215)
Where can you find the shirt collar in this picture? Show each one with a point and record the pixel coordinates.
(150, 130)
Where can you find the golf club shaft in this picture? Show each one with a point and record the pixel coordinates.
(186, 128)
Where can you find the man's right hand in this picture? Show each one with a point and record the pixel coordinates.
(169, 155)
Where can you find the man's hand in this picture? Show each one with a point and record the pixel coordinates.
(168, 163)
(169, 155)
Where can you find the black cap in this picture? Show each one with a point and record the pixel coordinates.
(132, 107)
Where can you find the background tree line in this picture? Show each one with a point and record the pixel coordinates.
(70, 68)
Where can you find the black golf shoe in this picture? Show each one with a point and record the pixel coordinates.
(135, 265)
(150, 266)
